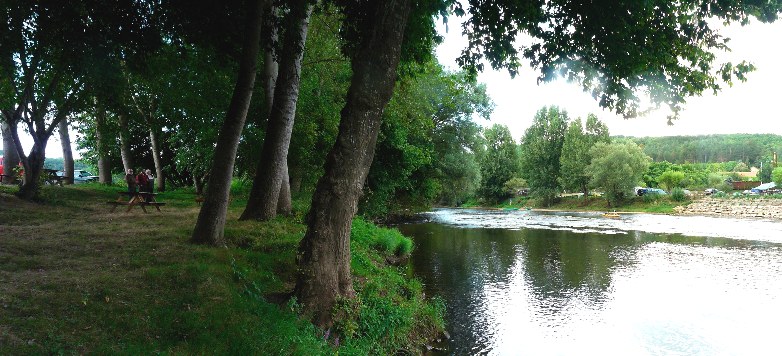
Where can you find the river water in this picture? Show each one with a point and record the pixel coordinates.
(554, 283)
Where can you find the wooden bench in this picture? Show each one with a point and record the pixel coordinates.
(141, 199)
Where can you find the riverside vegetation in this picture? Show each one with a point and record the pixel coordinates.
(78, 279)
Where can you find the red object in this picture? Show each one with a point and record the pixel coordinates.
(142, 179)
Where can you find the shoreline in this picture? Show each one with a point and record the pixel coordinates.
(748, 208)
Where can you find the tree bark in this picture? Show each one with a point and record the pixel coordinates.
(284, 204)
(211, 219)
(198, 183)
(67, 151)
(154, 137)
(124, 141)
(102, 141)
(10, 156)
(267, 184)
(324, 253)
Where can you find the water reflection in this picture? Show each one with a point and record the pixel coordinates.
(558, 291)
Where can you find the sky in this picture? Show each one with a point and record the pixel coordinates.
(749, 107)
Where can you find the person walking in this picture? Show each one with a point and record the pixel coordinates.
(143, 181)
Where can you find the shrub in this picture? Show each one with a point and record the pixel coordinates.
(677, 194)
(651, 197)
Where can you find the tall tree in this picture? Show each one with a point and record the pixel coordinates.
(272, 168)
(211, 219)
(324, 257)
(67, 151)
(541, 148)
(47, 51)
(499, 164)
(575, 152)
(616, 168)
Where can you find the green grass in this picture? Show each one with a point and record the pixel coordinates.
(78, 279)
(636, 204)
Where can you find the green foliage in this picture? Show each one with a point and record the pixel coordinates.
(678, 194)
(613, 49)
(541, 149)
(425, 147)
(575, 152)
(616, 168)
(385, 241)
(498, 164)
(670, 179)
(651, 197)
(776, 176)
(515, 184)
(749, 148)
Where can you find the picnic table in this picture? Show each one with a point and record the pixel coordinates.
(141, 199)
(52, 178)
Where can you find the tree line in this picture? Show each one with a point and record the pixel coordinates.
(302, 93)
(748, 148)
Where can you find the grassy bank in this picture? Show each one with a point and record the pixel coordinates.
(79, 279)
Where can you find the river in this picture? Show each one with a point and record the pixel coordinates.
(557, 283)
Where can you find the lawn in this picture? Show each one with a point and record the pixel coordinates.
(75, 279)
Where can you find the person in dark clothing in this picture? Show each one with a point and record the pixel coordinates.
(131, 180)
(143, 181)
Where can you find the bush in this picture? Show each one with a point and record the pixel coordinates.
(651, 197)
(677, 194)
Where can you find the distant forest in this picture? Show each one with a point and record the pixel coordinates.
(57, 163)
(748, 148)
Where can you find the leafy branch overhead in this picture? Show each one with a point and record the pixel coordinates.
(620, 51)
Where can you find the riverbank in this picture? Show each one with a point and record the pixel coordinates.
(77, 279)
(741, 207)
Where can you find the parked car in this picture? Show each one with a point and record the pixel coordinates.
(82, 176)
(655, 191)
(711, 191)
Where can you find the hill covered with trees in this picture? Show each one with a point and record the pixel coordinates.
(748, 148)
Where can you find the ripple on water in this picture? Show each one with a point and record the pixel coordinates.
(581, 222)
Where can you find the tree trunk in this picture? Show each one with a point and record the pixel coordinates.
(211, 219)
(198, 183)
(33, 166)
(67, 151)
(124, 142)
(284, 205)
(324, 253)
(102, 141)
(10, 156)
(154, 136)
(265, 192)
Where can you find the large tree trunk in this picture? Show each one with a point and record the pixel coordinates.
(211, 218)
(284, 204)
(154, 136)
(33, 166)
(102, 141)
(265, 192)
(124, 142)
(324, 253)
(10, 156)
(67, 151)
